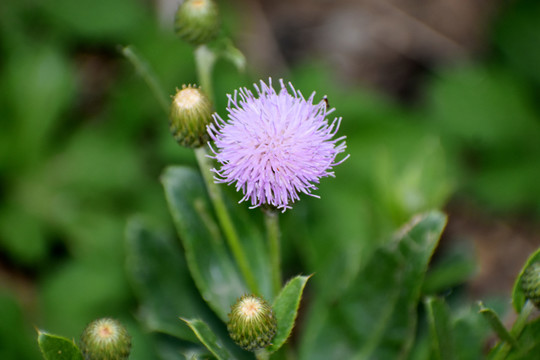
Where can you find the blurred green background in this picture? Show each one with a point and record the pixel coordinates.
(83, 142)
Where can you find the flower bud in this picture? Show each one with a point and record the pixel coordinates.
(252, 323)
(530, 283)
(105, 339)
(191, 111)
(197, 21)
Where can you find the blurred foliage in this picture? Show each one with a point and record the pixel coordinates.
(81, 148)
(83, 142)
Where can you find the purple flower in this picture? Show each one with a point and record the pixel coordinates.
(276, 145)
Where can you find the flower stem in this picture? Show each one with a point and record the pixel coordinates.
(522, 319)
(517, 328)
(262, 354)
(204, 61)
(225, 220)
(271, 221)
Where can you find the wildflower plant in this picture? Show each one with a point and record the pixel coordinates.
(223, 295)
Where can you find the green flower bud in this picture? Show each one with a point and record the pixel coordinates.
(252, 323)
(197, 21)
(530, 283)
(191, 111)
(105, 339)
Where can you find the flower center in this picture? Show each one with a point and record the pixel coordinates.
(187, 98)
(250, 307)
(105, 331)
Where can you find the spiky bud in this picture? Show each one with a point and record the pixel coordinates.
(105, 339)
(197, 21)
(530, 283)
(191, 111)
(252, 323)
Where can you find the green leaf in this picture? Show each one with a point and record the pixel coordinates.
(54, 347)
(208, 338)
(518, 297)
(457, 265)
(376, 316)
(496, 324)
(440, 328)
(161, 281)
(286, 309)
(208, 260)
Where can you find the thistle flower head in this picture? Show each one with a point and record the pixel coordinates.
(105, 339)
(197, 21)
(190, 112)
(252, 323)
(275, 145)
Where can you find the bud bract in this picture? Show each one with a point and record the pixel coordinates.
(530, 283)
(197, 21)
(252, 323)
(105, 339)
(191, 111)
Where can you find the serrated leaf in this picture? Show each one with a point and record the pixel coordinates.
(54, 347)
(208, 338)
(518, 297)
(208, 260)
(376, 317)
(286, 309)
(440, 329)
(161, 280)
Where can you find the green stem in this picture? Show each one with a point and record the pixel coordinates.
(522, 319)
(205, 60)
(148, 76)
(517, 328)
(225, 220)
(262, 354)
(271, 221)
